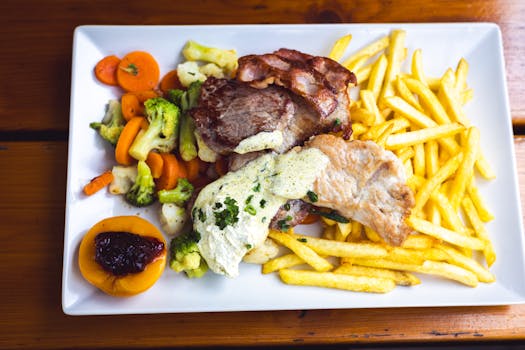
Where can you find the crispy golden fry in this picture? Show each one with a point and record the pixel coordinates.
(405, 154)
(414, 256)
(406, 110)
(461, 75)
(466, 96)
(456, 258)
(429, 100)
(433, 83)
(344, 230)
(451, 100)
(381, 139)
(484, 167)
(369, 102)
(484, 213)
(419, 159)
(302, 250)
(479, 228)
(449, 214)
(406, 94)
(342, 249)
(358, 63)
(358, 129)
(372, 235)
(417, 67)
(339, 281)
(418, 241)
(369, 50)
(357, 231)
(444, 234)
(362, 115)
(447, 170)
(410, 138)
(281, 262)
(377, 75)
(437, 268)
(339, 47)
(400, 278)
(466, 168)
(396, 52)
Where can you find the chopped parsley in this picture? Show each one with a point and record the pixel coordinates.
(283, 224)
(286, 206)
(337, 122)
(250, 209)
(248, 246)
(257, 188)
(332, 215)
(218, 205)
(249, 199)
(262, 203)
(229, 215)
(303, 240)
(201, 215)
(312, 196)
(131, 69)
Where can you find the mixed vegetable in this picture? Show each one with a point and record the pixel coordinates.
(156, 150)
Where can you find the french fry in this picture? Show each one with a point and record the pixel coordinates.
(344, 229)
(381, 139)
(362, 115)
(431, 157)
(484, 213)
(411, 138)
(417, 67)
(444, 234)
(363, 74)
(396, 52)
(419, 159)
(447, 170)
(369, 102)
(429, 99)
(400, 278)
(303, 251)
(406, 94)
(408, 111)
(456, 258)
(369, 50)
(452, 100)
(418, 241)
(479, 228)
(281, 262)
(339, 47)
(342, 249)
(461, 75)
(466, 168)
(377, 75)
(339, 281)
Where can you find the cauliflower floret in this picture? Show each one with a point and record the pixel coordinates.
(123, 178)
(262, 253)
(172, 218)
(188, 72)
(212, 70)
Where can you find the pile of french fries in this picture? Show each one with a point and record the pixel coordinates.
(421, 120)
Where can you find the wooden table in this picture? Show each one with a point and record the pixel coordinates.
(35, 65)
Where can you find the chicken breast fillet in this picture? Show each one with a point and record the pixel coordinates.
(366, 183)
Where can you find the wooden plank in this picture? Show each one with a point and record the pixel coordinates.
(32, 216)
(36, 59)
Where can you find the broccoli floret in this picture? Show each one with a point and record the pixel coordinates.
(142, 193)
(185, 255)
(223, 58)
(112, 123)
(188, 99)
(162, 132)
(179, 195)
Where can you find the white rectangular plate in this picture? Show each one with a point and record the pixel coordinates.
(442, 45)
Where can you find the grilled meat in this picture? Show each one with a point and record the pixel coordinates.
(366, 183)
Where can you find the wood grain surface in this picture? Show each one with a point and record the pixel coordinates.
(36, 44)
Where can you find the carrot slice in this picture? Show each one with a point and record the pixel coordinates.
(97, 183)
(126, 138)
(170, 81)
(170, 172)
(145, 95)
(192, 168)
(131, 107)
(106, 70)
(138, 71)
(155, 163)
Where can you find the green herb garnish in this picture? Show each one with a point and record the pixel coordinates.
(229, 215)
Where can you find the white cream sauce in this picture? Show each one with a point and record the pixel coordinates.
(253, 194)
(260, 141)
